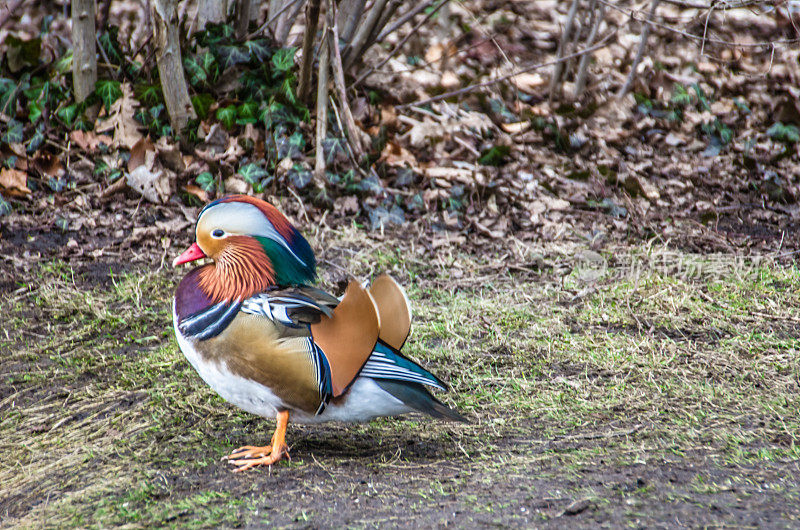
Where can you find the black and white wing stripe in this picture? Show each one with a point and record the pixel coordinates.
(387, 363)
(283, 308)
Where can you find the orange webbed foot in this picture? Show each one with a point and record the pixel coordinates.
(250, 456)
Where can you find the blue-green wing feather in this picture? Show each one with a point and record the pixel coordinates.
(388, 363)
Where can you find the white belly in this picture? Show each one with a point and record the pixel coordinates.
(364, 400)
(246, 394)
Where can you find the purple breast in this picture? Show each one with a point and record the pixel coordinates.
(189, 298)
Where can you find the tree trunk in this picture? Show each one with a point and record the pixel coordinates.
(246, 10)
(84, 55)
(170, 65)
(312, 19)
(210, 11)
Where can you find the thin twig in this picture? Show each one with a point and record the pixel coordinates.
(9, 10)
(285, 23)
(359, 41)
(408, 15)
(400, 44)
(558, 66)
(640, 51)
(763, 44)
(583, 66)
(352, 20)
(273, 18)
(506, 77)
(322, 105)
(105, 56)
(705, 30)
(338, 83)
(385, 16)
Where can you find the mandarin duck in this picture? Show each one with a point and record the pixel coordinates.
(267, 341)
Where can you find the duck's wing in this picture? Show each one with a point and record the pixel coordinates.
(394, 310)
(292, 307)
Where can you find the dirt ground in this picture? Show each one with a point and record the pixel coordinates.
(627, 386)
(615, 304)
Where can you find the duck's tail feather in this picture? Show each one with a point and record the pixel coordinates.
(418, 398)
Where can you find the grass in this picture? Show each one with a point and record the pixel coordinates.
(647, 361)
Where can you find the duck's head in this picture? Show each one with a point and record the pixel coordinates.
(253, 246)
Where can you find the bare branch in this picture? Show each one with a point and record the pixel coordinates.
(562, 47)
(244, 13)
(210, 11)
(338, 82)
(322, 106)
(763, 44)
(312, 19)
(642, 45)
(296, 5)
(8, 11)
(473, 88)
(353, 13)
(598, 13)
(408, 15)
(286, 21)
(400, 44)
(358, 44)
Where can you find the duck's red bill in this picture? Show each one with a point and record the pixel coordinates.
(192, 253)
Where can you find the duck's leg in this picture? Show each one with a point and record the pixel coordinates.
(251, 456)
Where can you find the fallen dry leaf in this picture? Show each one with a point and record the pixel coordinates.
(153, 185)
(89, 140)
(395, 154)
(49, 164)
(528, 82)
(517, 127)
(15, 182)
(139, 154)
(120, 120)
(197, 191)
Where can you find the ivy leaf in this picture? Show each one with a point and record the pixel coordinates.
(206, 181)
(252, 173)
(36, 140)
(227, 116)
(8, 100)
(150, 95)
(784, 133)
(14, 134)
(291, 146)
(247, 112)
(259, 49)
(197, 75)
(68, 114)
(56, 184)
(287, 88)
(110, 43)
(64, 63)
(232, 55)
(202, 103)
(34, 111)
(299, 176)
(283, 59)
(334, 149)
(4, 206)
(108, 92)
(494, 156)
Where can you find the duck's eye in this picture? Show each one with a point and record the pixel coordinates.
(217, 233)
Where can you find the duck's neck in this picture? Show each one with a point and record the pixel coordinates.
(241, 270)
